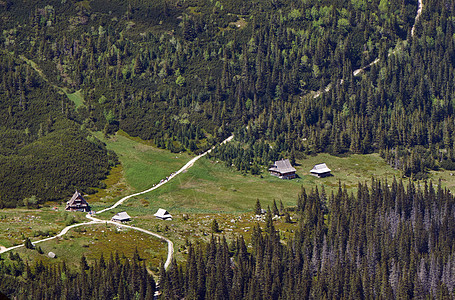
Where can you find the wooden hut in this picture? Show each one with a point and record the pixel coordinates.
(163, 214)
(320, 170)
(121, 217)
(77, 203)
(283, 169)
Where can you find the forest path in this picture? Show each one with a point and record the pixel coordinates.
(99, 221)
(419, 12)
(360, 70)
(182, 169)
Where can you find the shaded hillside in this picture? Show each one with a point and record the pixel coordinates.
(43, 152)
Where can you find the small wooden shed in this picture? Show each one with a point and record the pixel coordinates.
(163, 214)
(283, 169)
(320, 170)
(121, 217)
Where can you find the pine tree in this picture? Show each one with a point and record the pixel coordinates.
(83, 264)
(275, 211)
(258, 209)
(28, 244)
(281, 207)
(215, 227)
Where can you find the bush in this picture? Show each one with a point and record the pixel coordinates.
(31, 201)
(70, 220)
(448, 165)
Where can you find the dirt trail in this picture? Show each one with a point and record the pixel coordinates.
(99, 221)
(419, 12)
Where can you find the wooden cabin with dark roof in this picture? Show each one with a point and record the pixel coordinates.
(77, 203)
(283, 169)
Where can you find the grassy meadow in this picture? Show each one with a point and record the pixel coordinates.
(76, 98)
(143, 164)
(211, 187)
(15, 224)
(208, 190)
(94, 240)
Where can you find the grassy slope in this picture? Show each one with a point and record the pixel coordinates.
(15, 222)
(210, 187)
(143, 164)
(94, 240)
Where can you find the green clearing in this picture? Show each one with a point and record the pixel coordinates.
(76, 98)
(34, 223)
(210, 187)
(143, 165)
(447, 178)
(208, 190)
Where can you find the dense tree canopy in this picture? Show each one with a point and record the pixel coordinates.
(387, 242)
(280, 73)
(185, 73)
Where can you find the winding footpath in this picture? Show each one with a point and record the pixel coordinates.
(99, 221)
(419, 12)
(360, 70)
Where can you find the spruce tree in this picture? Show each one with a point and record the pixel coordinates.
(215, 227)
(258, 209)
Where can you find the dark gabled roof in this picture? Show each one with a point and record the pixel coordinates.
(320, 168)
(77, 200)
(282, 166)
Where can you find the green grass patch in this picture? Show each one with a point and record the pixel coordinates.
(15, 224)
(94, 240)
(194, 10)
(143, 165)
(116, 187)
(76, 98)
(447, 178)
(211, 187)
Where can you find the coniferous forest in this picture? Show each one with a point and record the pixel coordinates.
(279, 73)
(288, 79)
